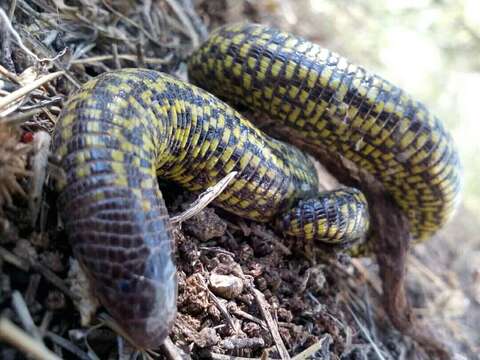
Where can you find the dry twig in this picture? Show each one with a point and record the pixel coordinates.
(272, 326)
(10, 98)
(204, 199)
(15, 336)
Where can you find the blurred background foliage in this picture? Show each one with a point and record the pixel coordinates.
(430, 48)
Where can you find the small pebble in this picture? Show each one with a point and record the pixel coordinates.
(226, 286)
(53, 260)
(8, 232)
(207, 337)
(25, 250)
(55, 300)
(206, 225)
(284, 315)
(252, 329)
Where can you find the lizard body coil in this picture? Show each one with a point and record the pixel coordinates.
(125, 128)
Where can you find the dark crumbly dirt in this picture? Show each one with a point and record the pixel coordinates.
(243, 291)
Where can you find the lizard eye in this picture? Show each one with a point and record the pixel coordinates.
(124, 286)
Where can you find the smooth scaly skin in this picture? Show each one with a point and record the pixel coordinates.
(124, 128)
(341, 107)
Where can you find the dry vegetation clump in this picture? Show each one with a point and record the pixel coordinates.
(243, 292)
(13, 161)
